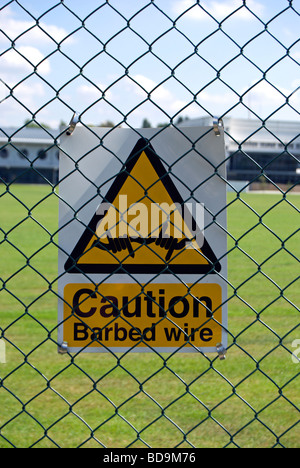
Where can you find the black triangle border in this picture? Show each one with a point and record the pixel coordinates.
(71, 265)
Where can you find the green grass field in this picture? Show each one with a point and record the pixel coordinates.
(250, 400)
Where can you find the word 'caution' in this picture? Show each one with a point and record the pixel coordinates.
(131, 315)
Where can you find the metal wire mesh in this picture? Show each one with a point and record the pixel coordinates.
(150, 50)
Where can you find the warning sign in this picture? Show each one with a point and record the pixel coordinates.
(143, 225)
(142, 240)
(160, 316)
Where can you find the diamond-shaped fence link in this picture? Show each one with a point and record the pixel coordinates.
(162, 63)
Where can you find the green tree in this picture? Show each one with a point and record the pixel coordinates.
(146, 124)
(107, 123)
(32, 124)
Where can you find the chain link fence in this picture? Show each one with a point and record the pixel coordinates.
(164, 64)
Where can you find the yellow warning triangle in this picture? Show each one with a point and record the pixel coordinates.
(140, 227)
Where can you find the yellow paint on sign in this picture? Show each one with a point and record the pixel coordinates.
(140, 227)
(132, 315)
(140, 192)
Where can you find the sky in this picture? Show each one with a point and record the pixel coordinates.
(125, 61)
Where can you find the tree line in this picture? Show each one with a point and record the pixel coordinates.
(31, 123)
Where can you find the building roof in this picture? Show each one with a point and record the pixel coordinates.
(244, 129)
(28, 135)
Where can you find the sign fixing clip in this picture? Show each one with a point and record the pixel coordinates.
(221, 351)
(73, 123)
(217, 124)
(63, 348)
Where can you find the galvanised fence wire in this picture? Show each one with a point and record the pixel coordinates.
(161, 63)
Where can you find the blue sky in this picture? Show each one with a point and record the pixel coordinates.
(100, 62)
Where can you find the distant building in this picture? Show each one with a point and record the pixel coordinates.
(253, 149)
(29, 155)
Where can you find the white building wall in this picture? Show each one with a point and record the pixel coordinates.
(254, 136)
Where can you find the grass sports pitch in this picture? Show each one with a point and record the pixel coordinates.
(181, 400)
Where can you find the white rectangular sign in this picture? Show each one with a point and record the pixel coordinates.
(142, 240)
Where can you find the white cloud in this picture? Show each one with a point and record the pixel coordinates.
(27, 31)
(219, 9)
(265, 95)
(11, 111)
(159, 94)
(23, 60)
(4, 92)
(28, 94)
(16, 64)
(129, 92)
(263, 99)
(295, 55)
(29, 41)
(145, 83)
(93, 92)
